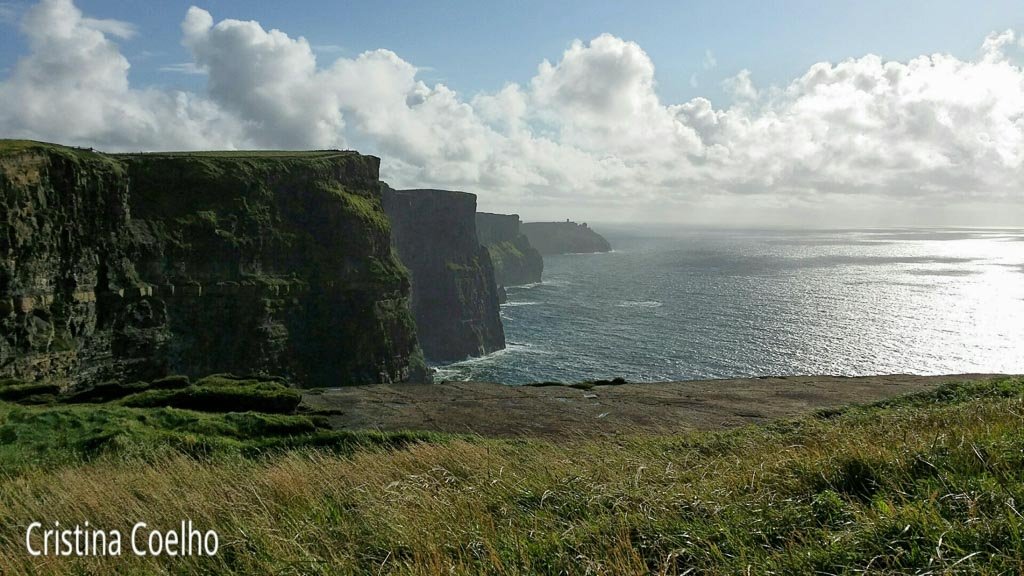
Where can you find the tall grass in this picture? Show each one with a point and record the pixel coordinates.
(929, 484)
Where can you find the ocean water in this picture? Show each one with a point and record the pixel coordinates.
(673, 304)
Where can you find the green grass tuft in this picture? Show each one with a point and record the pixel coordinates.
(929, 483)
(17, 391)
(220, 394)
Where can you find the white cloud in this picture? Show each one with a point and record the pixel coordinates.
(73, 88)
(741, 86)
(709, 60)
(605, 81)
(996, 42)
(508, 107)
(266, 78)
(861, 134)
(116, 28)
(184, 68)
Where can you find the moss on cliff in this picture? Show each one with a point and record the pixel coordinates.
(515, 260)
(504, 253)
(454, 296)
(269, 262)
(64, 269)
(14, 147)
(271, 219)
(220, 394)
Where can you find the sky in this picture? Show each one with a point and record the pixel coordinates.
(742, 113)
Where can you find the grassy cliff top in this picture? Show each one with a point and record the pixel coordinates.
(21, 159)
(16, 146)
(8, 147)
(239, 162)
(430, 193)
(236, 154)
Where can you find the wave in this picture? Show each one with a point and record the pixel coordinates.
(612, 251)
(542, 284)
(639, 304)
(510, 348)
(442, 374)
(523, 303)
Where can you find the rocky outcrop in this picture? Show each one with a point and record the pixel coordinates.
(564, 238)
(454, 295)
(72, 306)
(516, 261)
(134, 266)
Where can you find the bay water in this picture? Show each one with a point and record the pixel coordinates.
(677, 304)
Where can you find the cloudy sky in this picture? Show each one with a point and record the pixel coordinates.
(661, 111)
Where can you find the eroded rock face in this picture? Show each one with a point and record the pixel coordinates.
(454, 295)
(134, 266)
(516, 261)
(70, 304)
(564, 238)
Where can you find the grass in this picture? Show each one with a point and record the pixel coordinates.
(220, 394)
(503, 251)
(86, 159)
(20, 145)
(44, 438)
(14, 146)
(216, 393)
(16, 391)
(930, 483)
(242, 154)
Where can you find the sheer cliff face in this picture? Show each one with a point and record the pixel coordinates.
(70, 308)
(123, 267)
(516, 262)
(454, 295)
(564, 238)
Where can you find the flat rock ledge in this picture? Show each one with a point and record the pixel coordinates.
(497, 410)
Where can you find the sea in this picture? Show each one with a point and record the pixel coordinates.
(681, 304)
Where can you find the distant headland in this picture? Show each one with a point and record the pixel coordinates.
(564, 238)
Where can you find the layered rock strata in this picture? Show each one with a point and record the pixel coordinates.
(135, 266)
(454, 293)
(516, 261)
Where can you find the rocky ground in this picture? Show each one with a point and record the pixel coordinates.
(559, 411)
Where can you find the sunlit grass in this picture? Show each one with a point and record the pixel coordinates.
(927, 484)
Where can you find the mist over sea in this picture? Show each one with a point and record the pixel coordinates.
(680, 304)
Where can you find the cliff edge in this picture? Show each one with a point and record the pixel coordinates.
(564, 238)
(454, 294)
(122, 267)
(516, 261)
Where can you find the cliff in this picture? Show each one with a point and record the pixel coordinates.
(122, 267)
(66, 280)
(515, 260)
(454, 294)
(564, 238)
